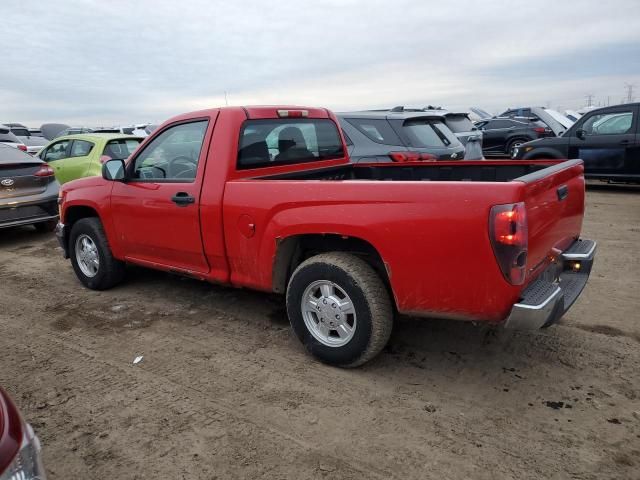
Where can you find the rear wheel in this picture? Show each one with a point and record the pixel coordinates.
(339, 308)
(513, 144)
(91, 256)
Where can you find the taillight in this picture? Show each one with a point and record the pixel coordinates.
(542, 131)
(22, 147)
(44, 171)
(412, 157)
(510, 238)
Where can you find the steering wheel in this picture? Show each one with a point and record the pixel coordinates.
(181, 167)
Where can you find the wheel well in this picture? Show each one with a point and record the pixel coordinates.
(294, 250)
(517, 139)
(73, 214)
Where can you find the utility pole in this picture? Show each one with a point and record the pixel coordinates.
(589, 98)
(629, 88)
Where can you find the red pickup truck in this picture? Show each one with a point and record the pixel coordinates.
(20, 454)
(266, 198)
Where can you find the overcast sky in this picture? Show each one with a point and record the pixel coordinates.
(116, 62)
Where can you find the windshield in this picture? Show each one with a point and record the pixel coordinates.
(20, 132)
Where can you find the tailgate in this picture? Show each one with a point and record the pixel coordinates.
(554, 200)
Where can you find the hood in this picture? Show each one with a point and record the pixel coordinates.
(51, 130)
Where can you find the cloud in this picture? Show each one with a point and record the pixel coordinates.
(96, 62)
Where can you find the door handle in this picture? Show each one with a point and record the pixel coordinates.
(182, 199)
(625, 142)
(563, 192)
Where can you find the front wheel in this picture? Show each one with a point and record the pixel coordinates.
(339, 308)
(91, 257)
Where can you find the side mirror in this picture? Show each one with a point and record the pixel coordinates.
(581, 134)
(113, 170)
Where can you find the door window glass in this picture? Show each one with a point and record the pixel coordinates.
(617, 123)
(80, 148)
(57, 151)
(172, 155)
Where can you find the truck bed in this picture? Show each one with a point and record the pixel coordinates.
(475, 171)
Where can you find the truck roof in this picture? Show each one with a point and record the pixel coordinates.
(255, 112)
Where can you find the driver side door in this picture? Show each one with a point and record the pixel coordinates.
(607, 142)
(156, 209)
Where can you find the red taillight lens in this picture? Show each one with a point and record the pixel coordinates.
(22, 147)
(402, 157)
(44, 171)
(510, 238)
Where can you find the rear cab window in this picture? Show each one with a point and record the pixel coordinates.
(270, 142)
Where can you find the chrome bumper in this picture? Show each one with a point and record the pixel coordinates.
(545, 300)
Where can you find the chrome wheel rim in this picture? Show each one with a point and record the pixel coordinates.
(514, 146)
(328, 313)
(87, 255)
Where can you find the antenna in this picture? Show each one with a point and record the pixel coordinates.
(226, 102)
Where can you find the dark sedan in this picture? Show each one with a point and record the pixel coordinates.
(28, 191)
(606, 139)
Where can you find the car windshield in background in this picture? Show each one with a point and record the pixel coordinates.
(423, 133)
(20, 132)
(459, 123)
(266, 143)
(121, 148)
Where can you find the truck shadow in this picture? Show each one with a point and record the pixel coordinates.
(597, 186)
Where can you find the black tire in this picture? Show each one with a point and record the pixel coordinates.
(45, 227)
(110, 270)
(368, 295)
(513, 143)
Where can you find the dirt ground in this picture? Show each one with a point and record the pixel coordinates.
(225, 390)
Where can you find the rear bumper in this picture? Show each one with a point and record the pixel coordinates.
(545, 300)
(22, 212)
